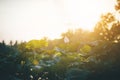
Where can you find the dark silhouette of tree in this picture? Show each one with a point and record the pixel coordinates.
(11, 43)
(16, 43)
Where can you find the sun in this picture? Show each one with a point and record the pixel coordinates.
(34, 19)
(86, 13)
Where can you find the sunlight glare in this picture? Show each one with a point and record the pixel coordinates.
(85, 14)
(34, 19)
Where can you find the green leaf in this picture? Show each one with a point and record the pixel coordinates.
(85, 49)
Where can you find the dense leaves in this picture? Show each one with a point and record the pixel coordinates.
(77, 55)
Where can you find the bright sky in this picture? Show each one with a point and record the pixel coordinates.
(34, 19)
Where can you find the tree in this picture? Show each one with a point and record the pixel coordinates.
(117, 6)
(108, 28)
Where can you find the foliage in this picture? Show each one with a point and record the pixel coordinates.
(85, 49)
(35, 44)
(86, 55)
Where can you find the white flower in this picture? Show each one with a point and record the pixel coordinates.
(66, 39)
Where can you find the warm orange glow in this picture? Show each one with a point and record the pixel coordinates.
(34, 19)
(85, 13)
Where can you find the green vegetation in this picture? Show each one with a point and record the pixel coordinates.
(78, 55)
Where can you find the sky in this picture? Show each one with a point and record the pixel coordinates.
(24, 20)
